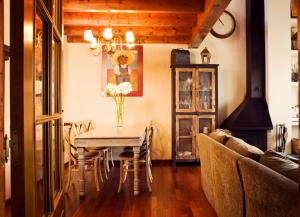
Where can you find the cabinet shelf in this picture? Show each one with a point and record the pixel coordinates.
(185, 137)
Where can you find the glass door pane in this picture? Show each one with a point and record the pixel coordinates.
(56, 157)
(185, 136)
(54, 76)
(205, 90)
(184, 90)
(205, 124)
(40, 149)
(39, 68)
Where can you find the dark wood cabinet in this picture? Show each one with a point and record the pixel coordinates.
(194, 108)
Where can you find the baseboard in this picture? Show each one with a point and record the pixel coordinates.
(8, 202)
(162, 162)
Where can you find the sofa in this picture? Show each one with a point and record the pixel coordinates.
(238, 186)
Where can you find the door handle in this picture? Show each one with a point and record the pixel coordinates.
(6, 52)
(6, 148)
(5, 156)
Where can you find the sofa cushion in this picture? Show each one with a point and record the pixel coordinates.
(267, 193)
(243, 148)
(220, 135)
(280, 164)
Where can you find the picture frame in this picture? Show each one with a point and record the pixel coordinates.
(294, 38)
(294, 8)
(294, 68)
(111, 71)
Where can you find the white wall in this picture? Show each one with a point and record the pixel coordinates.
(82, 83)
(278, 63)
(7, 99)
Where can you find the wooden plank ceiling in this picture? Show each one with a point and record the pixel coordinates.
(152, 21)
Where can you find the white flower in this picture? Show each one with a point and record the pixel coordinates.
(125, 88)
(116, 90)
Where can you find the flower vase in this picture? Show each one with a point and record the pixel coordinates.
(120, 110)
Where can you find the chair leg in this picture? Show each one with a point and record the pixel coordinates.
(121, 176)
(69, 175)
(111, 157)
(150, 172)
(147, 176)
(104, 165)
(125, 170)
(107, 161)
(96, 173)
(99, 169)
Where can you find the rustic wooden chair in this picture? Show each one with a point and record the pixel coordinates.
(109, 153)
(126, 159)
(92, 158)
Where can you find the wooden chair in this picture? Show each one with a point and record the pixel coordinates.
(92, 158)
(126, 159)
(109, 153)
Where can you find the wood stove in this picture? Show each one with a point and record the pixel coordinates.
(251, 120)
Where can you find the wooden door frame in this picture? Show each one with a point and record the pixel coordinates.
(21, 81)
(2, 81)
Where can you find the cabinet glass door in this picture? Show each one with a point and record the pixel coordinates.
(205, 124)
(185, 137)
(205, 90)
(185, 99)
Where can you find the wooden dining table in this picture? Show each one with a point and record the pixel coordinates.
(110, 136)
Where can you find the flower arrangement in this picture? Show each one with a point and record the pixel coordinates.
(118, 93)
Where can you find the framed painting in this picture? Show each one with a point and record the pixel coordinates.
(294, 8)
(124, 66)
(294, 38)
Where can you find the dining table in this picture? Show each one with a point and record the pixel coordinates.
(110, 137)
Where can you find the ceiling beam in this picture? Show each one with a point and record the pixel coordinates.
(165, 6)
(143, 39)
(129, 19)
(206, 20)
(137, 30)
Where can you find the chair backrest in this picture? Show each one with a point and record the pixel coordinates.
(91, 125)
(149, 138)
(66, 134)
(84, 126)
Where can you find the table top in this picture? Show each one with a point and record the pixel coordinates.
(112, 132)
(128, 136)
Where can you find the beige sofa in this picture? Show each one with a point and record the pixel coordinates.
(237, 186)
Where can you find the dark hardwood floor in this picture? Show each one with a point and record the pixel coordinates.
(175, 193)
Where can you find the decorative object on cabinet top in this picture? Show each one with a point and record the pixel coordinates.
(205, 56)
(180, 56)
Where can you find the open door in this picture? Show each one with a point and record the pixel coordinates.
(36, 113)
(2, 158)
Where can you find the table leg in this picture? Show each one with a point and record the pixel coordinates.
(81, 162)
(136, 151)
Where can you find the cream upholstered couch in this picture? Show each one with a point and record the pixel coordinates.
(237, 186)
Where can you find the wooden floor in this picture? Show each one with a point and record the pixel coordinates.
(175, 193)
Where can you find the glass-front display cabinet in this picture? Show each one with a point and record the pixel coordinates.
(194, 109)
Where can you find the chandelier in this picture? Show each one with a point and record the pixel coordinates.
(108, 42)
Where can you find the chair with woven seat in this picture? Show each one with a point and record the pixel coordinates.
(127, 159)
(92, 158)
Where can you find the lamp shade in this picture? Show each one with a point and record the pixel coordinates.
(129, 37)
(88, 35)
(93, 44)
(107, 33)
